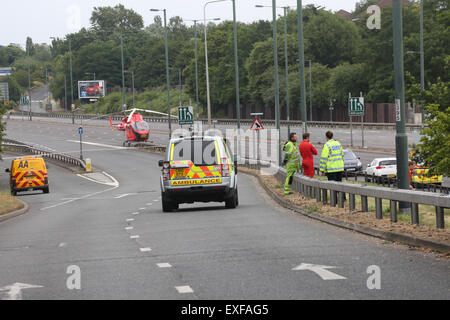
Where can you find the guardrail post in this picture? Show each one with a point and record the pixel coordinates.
(324, 196)
(364, 204)
(379, 208)
(333, 196)
(351, 202)
(318, 195)
(440, 223)
(414, 213)
(393, 210)
(341, 199)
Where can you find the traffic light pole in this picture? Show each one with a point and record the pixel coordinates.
(401, 139)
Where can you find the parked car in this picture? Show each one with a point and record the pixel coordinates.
(383, 167)
(351, 161)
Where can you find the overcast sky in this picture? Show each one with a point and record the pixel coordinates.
(41, 19)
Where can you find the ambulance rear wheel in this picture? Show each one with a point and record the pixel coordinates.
(46, 190)
(169, 206)
(233, 202)
(14, 193)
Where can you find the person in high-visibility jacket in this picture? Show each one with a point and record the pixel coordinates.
(332, 159)
(291, 160)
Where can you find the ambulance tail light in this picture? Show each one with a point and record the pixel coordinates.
(166, 170)
(225, 167)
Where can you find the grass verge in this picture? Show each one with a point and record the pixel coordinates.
(8, 203)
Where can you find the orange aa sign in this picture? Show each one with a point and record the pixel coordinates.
(257, 125)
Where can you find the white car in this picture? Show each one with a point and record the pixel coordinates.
(383, 167)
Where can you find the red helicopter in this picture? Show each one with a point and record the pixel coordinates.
(136, 129)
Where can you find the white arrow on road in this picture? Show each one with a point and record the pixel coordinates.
(320, 270)
(15, 290)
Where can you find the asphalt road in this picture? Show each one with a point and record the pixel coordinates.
(203, 251)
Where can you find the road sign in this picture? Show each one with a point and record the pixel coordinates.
(80, 130)
(185, 115)
(356, 106)
(4, 91)
(25, 100)
(257, 125)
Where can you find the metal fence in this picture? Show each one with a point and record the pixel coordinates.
(338, 191)
(23, 148)
(247, 122)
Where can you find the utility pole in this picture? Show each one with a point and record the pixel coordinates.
(310, 91)
(401, 139)
(301, 53)
(275, 63)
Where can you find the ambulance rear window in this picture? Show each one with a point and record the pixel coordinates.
(200, 152)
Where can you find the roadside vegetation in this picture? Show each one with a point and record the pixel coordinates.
(8, 203)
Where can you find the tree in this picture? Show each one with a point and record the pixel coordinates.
(331, 39)
(435, 140)
(29, 46)
(116, 18)
(9, 54)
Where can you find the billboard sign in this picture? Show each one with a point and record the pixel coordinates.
(92, 89)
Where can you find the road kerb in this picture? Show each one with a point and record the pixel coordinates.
(15, 213)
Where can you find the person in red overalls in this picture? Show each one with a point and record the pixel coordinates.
(307, 151)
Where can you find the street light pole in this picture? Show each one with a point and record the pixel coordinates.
(286, 65)
(123, 73)
(236, 66)
(422, 59)
(166, 49)
(302, 64)
(29, 81)
(310, 90)
(401, 139)
(196, 68)
(275, 63)
(65, 92)
(71, 82)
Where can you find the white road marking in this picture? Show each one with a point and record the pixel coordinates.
(62, 244)
(135, 213)
(122, 196)
(164, 265)
(155, 200)
(15, 290)
(145, 249)
(134, 237)
(129, 228)
(130, 220)
(149, 204)
(116, 185)
(113, 183)
(142, 209)
(99, 144)
(184, 289)
(320, 271)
